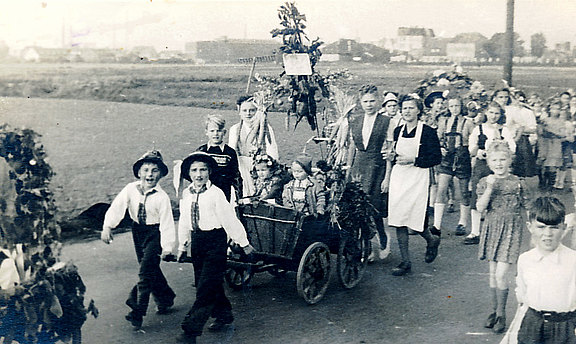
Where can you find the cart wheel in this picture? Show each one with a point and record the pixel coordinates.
(238, 279)
(352, 259)
(314, 272)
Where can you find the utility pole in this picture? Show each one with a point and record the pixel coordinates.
(509, 42)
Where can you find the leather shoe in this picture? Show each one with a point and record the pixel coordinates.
(218, 325)
(402, 269)
(184, 338)
(460, 230)
(432, 250)
(135, 320)
(490, 321)
(472, 240)
(499, 325)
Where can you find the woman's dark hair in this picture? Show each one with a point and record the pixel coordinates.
(409, 98)
(502, 90)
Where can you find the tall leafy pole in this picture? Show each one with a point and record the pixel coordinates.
(509, 42)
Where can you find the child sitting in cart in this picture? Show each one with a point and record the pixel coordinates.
(269, 179)
(302, 193)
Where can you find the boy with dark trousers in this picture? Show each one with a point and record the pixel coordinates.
(153, 232)
(206, 222)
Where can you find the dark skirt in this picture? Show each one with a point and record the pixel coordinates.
(524, 164)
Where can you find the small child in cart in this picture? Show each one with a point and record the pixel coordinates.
(302, 193)
(269, 179)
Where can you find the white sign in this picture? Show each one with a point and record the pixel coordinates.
(297, 64)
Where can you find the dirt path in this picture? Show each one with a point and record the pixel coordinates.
(443, 302)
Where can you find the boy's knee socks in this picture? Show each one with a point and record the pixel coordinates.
(476, 221)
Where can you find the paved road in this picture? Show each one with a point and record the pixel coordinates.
(442, 302)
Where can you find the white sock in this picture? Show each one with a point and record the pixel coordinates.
(464, 215)
(560, 177)
(476, 220)
(438, 213)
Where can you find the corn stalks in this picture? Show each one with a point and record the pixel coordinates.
(340, 132)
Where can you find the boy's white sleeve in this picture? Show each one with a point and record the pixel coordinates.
(520, 285)
(184, 224)
(117, 210)
(233, 137)
(167, 228)
(232, 225)
(272, 146)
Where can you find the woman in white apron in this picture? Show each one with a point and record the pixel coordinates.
(416, 150)
(239, 140)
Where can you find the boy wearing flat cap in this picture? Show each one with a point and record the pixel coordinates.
(153, 232)
(206, 222)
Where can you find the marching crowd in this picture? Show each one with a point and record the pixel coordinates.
(415, 157)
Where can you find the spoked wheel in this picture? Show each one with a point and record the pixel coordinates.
(238, 278)
(314, 272)
(352, 259)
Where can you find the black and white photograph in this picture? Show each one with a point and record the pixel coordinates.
(288, 172)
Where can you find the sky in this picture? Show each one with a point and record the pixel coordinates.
(169, 24)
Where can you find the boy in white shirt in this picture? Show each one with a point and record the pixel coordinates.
(153, 232)
(546, 280)
(207, 219)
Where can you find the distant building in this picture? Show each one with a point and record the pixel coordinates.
(461, 52)
(39, 54)
(226, 50)
(351, 50)
(413, 40)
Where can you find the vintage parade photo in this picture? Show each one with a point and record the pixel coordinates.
(288, 172)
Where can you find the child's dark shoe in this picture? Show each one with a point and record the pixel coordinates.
(135, 320)
(218, 325)
(432, 250)
(472, 240)
(185, 338)
(460, 230)
(499, 325)
(402, 269)
(490, 321)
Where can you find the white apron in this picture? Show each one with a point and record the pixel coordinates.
(408, 191)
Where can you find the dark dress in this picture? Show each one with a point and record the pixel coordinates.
(504, 223)
(368, 162)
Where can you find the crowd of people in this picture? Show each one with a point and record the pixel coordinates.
(415, 156)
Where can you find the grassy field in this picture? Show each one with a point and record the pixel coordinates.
(95, 133)
(218, 86)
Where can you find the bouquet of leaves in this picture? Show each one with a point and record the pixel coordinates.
(302, 88)
(456, 81)
(41, 300)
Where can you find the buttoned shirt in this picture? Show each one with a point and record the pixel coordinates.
(158, 211)
(215, 212)
(367, 126)
(547, 282)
